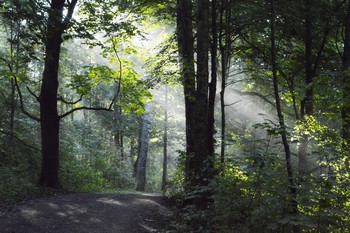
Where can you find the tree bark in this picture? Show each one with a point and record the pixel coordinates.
(225, 48)
(118, 135)
(307, 102)
(290, 175)
(212, 88)
(49, 119)
(143, 151)
(201, 171)
(48, 98)
(346, 84)
(165, 143)
(186, 54)
(14, 31)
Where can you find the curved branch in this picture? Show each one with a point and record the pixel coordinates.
(60, 98)
(20, 140)
(33, 94)
(120, 73)
(87, 108)
(250, 93)
(21, 102)
(20, 93)
(228, 105)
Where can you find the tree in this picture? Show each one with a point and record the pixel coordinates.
(56, 27)
(212, 84)
(346, 82)
(225, 46)
(282, 127)
(307, 103)
(141, 163)
(186, 53)
(57, 24)
(165, 143)
(201, 167)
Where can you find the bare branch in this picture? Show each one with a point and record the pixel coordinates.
(120, 68)
(320, 51)
(19, 92)
(21, 102)
(33, 94)
(69, 15)
(228, 105)
(60, 98)
(20, 140)
(250, 93)
(87, 108)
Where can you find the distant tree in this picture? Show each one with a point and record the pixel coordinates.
(307, 102)
(346, 82)
(213, 83)
(141, 162)
(282, 125)
(225, 42)
(165, 142)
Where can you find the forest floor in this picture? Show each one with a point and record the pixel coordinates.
(88, 213)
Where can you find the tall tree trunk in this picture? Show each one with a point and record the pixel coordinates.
(12, 97)
(201, 107)
(133, 153)
(14, 63)
(165, 142)
(48, 98)
(118, 123)
(186, 52)
(143, 151)
(292, 189)
(49, 119)
(212, 88)
(225, 48)
(346, 83)
(307, 102)
(118, 137)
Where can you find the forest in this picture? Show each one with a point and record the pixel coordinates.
(239, 110)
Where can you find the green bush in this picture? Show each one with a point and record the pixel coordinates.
(16, 184)
(79, 177)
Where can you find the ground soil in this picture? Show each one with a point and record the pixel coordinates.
(88, 213)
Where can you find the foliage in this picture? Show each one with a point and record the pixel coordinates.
(79, 177)
(250, 193)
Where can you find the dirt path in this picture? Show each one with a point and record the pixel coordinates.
(88, 213)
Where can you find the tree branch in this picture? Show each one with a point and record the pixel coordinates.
(69, 15)
(320, 51)
(87, 108)
(21, 102)
(250, 93)
(228, 105)
(120, 73)
(20, 140)
(19, 92)
(60, 98)
(33, 94)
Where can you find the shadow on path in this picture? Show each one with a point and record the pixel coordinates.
(89, 213)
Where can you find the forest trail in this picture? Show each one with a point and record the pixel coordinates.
(88, 213)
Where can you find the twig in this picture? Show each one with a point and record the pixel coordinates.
(228, 105)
